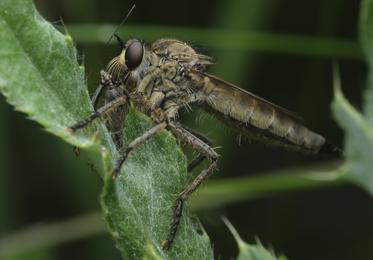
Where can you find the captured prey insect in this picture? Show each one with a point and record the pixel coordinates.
(169, 75)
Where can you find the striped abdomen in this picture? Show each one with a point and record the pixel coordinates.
(260, 119)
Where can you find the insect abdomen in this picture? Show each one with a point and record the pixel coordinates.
(261, 120)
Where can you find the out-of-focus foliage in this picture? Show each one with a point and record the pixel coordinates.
(237, 40)
(359, 126)
(251, 252)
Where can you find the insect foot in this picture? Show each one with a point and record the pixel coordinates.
(71, 129)
(178, 211)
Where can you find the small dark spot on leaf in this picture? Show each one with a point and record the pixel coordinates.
(76, 150)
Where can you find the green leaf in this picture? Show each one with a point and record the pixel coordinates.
(40, 76)
(39, 73)
(251, 252)
(138, 205)
(358, 126)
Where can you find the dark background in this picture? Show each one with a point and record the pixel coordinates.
(41, 180)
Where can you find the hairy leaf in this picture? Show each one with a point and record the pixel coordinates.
(39, 73)
(143, 195)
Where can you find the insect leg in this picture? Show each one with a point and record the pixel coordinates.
(113, 104)
(134, 144)
(106, 81)
(96, 96)
(146, 81)
(205, 150)
(199, 159)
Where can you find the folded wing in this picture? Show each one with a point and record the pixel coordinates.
(258, 118)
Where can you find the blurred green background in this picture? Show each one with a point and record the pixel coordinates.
(280, 50)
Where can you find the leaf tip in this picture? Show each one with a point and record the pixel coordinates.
(234, 232)
(338, 99)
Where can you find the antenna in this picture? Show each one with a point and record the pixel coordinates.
(116, 29)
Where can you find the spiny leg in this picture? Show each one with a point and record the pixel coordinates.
(96, 96)
(147, 81)
(205, 150)
(113, 104)
(195, 162)
(179, 204)
(136, 143)
(199, 159)
(106, 81)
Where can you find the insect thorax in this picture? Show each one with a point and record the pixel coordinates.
(162, 81)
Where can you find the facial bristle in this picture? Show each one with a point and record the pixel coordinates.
(115, 67)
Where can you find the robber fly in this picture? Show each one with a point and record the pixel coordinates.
(169, 75)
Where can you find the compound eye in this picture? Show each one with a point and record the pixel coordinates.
(133, 55)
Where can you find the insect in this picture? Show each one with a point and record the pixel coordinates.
(169, 75)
